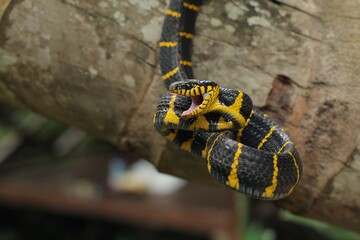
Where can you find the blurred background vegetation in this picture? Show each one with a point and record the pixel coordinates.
(57, 182)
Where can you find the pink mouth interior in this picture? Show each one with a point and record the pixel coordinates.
(196, 102)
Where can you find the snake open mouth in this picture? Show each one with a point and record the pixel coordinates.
(196, 102)
(203, 93)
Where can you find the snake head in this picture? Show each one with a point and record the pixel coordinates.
(203, 94)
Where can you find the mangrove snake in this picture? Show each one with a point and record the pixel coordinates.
(245, 150)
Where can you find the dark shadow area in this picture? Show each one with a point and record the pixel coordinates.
(19, 223)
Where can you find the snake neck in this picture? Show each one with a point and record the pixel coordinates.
(234, 106)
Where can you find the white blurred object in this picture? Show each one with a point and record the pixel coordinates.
(142, 177)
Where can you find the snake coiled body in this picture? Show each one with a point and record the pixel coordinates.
(245, 150)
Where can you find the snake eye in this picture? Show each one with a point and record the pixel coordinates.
(188, 86)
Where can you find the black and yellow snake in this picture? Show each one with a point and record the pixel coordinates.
(244, 149)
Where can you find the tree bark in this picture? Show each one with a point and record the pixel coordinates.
(94, 65)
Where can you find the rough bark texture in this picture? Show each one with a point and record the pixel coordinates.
(93, 64)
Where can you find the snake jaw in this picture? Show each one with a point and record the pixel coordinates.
(198, 103)
(203, 93)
